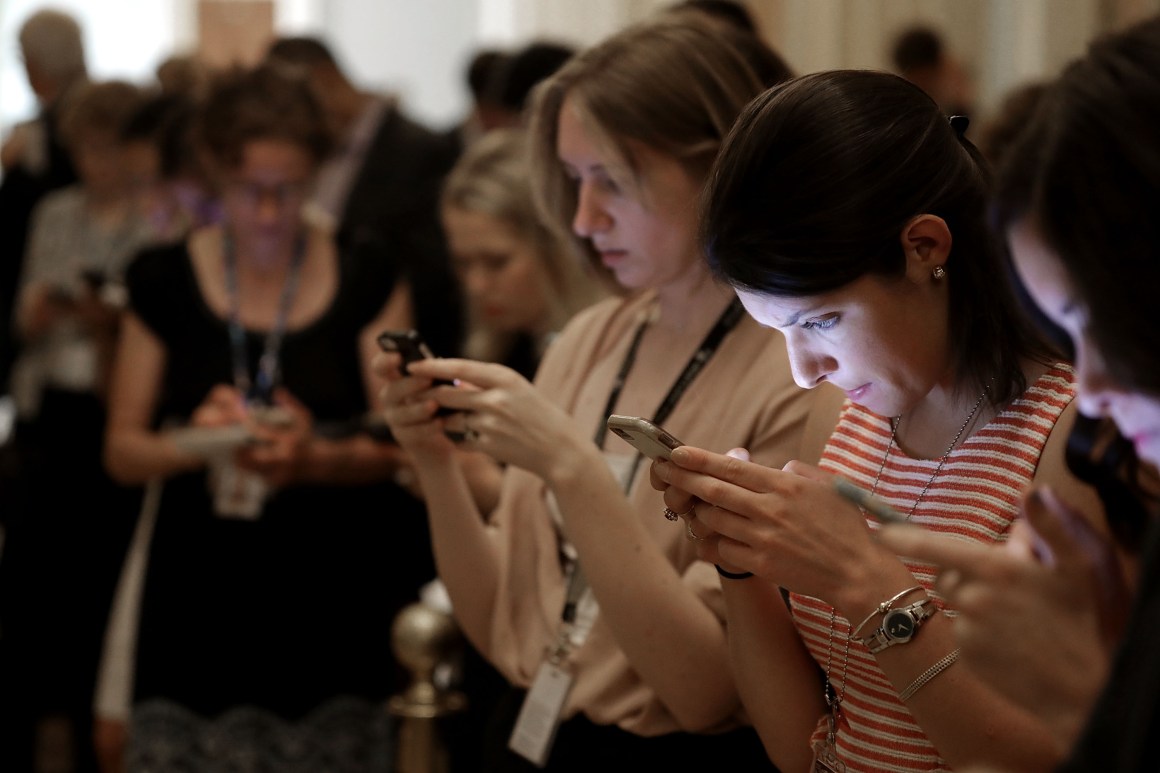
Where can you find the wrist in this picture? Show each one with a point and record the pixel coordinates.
(732, 574)
(570, 465)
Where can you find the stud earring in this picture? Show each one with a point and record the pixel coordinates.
(939, 272)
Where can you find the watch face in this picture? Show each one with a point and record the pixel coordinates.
(899, 625)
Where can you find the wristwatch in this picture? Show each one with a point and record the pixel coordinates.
(900, 625)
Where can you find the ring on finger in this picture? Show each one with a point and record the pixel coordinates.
(468, 432)
(692, 535)
(673, 515)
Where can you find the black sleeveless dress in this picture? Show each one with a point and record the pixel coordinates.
(264, 644)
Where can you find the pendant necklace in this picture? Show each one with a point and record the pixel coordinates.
(826, 758)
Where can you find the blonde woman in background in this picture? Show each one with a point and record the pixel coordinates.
(522, 283)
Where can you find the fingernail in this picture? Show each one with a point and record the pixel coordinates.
(680, 455)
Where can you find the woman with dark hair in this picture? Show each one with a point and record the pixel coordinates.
(1040, 624)
(848, 213)
(272, 575)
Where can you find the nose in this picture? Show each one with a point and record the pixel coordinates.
(809, 367)
(590, 217)
(475, 282)
(1096, 388)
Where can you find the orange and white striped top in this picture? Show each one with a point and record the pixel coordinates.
(974, 496)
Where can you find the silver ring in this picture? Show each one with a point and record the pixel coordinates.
(673, 515)
(692, 535)
(468, 432)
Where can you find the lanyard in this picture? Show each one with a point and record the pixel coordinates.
(726, 322)
(261, 389)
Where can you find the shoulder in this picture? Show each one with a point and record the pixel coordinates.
(590, 335)
(60, 204)
(1053, 469)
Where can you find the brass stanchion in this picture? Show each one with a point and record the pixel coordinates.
(423, 638)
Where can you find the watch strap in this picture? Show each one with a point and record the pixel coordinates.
(918, 612)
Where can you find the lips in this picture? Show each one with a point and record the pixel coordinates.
(858, 393)
(608, 257)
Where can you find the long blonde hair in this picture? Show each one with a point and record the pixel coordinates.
(492, 178)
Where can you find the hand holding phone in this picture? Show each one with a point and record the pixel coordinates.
(412, 347)
(646, 437)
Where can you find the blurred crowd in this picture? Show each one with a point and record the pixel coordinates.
(217, 490)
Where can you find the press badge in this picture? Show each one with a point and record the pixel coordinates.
(539, 717)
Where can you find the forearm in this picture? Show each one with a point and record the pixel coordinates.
(678, 647)
(779, 682)
(466, 555)
(964, 719)
(134, 457)
(967, 722)
(348, 461)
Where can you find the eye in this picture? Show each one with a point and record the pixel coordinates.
(606, 182)
(821, 323)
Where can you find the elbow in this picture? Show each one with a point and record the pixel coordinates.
(704, 716)
(118, 467)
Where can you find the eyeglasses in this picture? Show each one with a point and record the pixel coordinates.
(252, 194)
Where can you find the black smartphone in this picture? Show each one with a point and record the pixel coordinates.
(410, 344)
(651, 440)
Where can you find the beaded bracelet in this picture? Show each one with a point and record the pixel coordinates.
(941, 665)
(732, 575)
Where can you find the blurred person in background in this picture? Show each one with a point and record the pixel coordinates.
(273, 573)
(379, 187)
(33, 158)
(60, 561)
(920, 54)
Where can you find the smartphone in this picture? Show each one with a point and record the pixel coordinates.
(410, 344)
(646, 437)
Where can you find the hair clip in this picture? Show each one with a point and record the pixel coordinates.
(960, 123)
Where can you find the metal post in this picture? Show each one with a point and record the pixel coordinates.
(423, 638)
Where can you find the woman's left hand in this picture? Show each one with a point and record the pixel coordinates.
(504, 415)
(787, 526)
(283, 440)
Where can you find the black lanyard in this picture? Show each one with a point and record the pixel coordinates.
(726, 322)
(709, 346)
(261, 389)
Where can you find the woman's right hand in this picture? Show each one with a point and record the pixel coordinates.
(223, 406)
(409, 409)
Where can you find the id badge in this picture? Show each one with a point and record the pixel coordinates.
(539, 717)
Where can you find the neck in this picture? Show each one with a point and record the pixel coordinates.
(948, 410)
(691, 301)
(263, 261)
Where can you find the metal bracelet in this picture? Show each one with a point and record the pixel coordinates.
(882, 609)
(941, 665)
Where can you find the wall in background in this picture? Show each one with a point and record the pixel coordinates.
(419, 49)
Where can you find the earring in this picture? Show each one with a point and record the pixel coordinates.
(939, 272)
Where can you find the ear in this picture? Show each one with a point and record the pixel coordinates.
(926, 243)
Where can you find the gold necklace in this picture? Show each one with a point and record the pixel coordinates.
(826, 751)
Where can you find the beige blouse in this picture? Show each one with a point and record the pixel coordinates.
(745, 397)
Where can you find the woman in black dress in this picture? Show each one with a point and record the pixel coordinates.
(273, 572)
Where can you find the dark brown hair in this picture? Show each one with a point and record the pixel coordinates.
(815, 184)
(1086, 173)
(264, 103)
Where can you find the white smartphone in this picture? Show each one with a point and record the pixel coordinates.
(646, 437)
